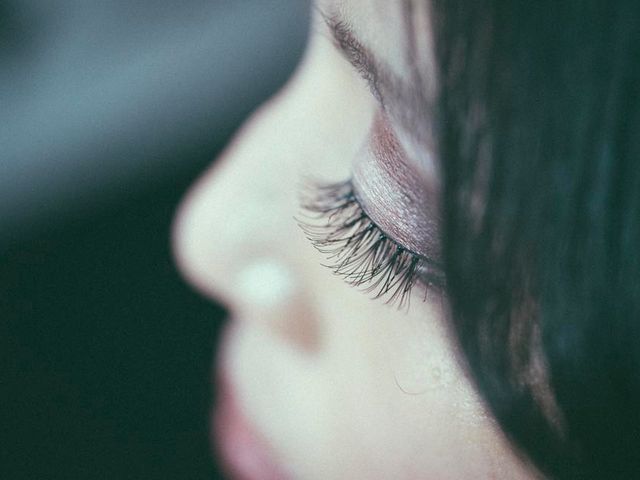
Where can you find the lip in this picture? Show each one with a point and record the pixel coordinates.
(244, 453)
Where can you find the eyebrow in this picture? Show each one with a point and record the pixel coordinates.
(387, 87)
(359, 56)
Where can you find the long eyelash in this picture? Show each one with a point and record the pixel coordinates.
(359, 251)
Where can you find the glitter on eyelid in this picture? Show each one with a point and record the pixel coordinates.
(394, 194)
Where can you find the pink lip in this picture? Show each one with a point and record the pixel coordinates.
(244, 454)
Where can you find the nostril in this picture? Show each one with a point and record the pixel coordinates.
(266, 284)
(269, 292)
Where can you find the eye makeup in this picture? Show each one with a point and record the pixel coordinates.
(380, 229)
(395, 194)
(358, 250)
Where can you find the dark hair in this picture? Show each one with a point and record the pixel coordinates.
(539, 140)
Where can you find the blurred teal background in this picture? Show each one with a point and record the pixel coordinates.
(109, 110)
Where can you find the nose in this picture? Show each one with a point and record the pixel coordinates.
(239, 215)
(235, 238)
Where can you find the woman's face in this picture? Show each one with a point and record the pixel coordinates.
(319, 381)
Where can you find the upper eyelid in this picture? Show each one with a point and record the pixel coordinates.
(363, 252)
(426, 259)
(339, 32)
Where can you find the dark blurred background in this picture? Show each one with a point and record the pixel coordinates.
(108, 111)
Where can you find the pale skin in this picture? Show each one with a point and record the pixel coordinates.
(342, 386)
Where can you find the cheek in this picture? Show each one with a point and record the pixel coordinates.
(381, 397)
(413, 413)
(439, 416)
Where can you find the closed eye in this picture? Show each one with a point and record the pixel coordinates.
(359, 251)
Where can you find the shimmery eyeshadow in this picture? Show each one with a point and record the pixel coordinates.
(394, 193)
